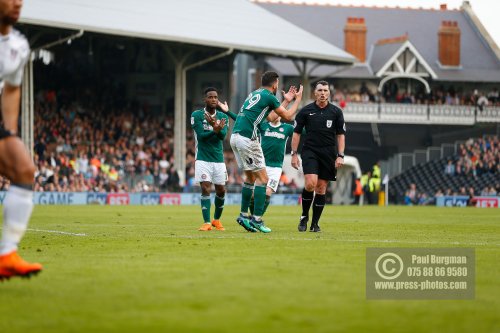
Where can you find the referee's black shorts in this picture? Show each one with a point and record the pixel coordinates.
(4, 133)
(319, 162)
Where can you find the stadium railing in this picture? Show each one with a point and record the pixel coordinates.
(420, 114)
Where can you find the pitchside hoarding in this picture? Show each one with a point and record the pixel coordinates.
(463, 201)
(168, 199)
(116, 199)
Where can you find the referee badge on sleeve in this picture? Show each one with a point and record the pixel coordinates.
(329, 123)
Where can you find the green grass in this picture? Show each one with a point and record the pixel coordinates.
(148, 269)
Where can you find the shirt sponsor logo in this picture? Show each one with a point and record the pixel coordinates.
(274, 134)
(206, 126)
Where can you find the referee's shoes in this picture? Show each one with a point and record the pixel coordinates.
(303, 223)
(315, 228)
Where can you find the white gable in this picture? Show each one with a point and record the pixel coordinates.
(406, 61)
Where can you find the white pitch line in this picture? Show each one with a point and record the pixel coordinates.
(58, 232)
(386, 241)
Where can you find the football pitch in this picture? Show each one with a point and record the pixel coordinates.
(148, 269)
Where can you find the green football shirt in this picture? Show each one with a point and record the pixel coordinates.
(273, 142)
(208, 143)
(255, 109)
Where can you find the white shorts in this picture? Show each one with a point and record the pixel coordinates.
(248, 153)
(212, 172)
(273, 175)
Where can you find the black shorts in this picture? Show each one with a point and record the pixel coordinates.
(4, 133)
(319, 163)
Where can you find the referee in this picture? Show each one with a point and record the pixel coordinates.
(322, 152)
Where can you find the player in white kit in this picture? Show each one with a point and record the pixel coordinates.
(15, 162)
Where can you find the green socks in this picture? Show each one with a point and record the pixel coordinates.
(252, 205)
(266, 204)
(260, 200)
(205, 208)
(219, 207)
(246, 196)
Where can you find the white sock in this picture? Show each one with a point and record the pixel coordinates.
(17, 208)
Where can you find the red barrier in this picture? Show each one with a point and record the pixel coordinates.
(486, 202)
(118, 199)
(170, 199)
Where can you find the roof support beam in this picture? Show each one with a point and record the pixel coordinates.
(28, 97)
(180, 112)
(305, 75)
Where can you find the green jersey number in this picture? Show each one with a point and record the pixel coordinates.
(253, 100)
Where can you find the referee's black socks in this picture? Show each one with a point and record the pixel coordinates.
(307, 199)
(318, 205)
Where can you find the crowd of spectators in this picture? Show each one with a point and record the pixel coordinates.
(475, 158)
(415, 197)
(82, 144)
(86, 145)
(438, 96)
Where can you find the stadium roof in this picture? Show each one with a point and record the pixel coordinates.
(478, 53)
(237, 24)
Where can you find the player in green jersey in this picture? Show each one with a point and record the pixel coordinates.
(260, 105)
(274, 137)
(210, 128)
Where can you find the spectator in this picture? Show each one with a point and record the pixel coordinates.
(463, 191)
(485, 192)
(450, 168)
(493, 96)
(424, 200)
(482, 101)
(492, 191)
(411, 197)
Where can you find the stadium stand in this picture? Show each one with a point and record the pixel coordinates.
(473, 170)
(438, 96)
(84, 143)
